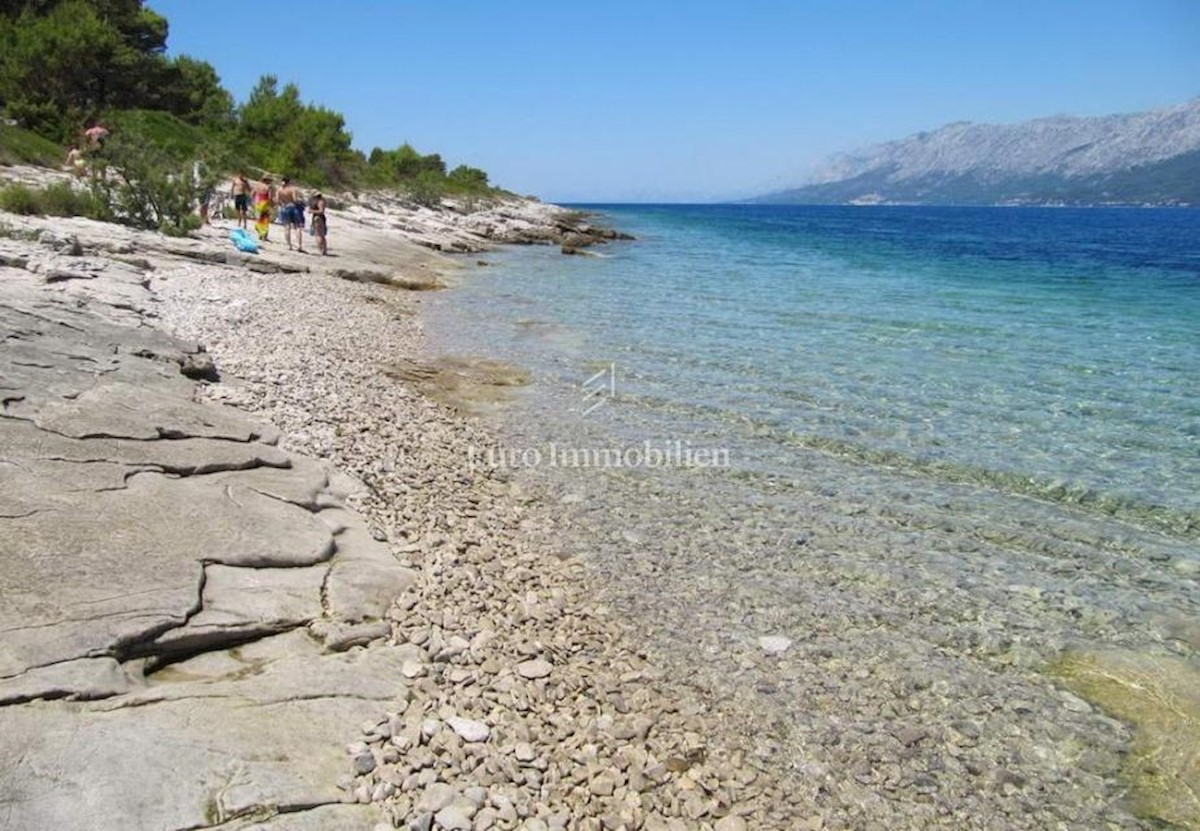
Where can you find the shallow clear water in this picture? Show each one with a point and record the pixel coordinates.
(1052, 353)
(963, 447)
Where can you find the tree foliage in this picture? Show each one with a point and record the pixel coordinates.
(191, 90)
(403, 164)
(423, 176)
(141, 185)
(64, 62)
(281, 133)
(67, 63)
(468, 178)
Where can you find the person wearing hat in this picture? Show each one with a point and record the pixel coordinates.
(263, 199)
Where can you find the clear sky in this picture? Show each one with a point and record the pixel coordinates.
(690, 100)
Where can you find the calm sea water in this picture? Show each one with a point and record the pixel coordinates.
(963, 446)
(1052, 353)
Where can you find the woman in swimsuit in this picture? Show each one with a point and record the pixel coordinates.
(262, 208)
(320, 223)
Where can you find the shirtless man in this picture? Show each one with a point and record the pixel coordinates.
(240, 191)
(292, 213)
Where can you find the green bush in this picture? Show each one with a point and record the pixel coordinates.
(160, 130)
(7, 231)
(466, 179)
(59, 199)
(20, 146)
(18, 199)
(427, 188)
(139, 184)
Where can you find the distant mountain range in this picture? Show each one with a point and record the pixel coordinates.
(1135, 159)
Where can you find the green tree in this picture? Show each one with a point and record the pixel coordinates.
(404, 164)
(283, 134)
(139, 184)
(468, 178)
(61, 62)
(191, 89)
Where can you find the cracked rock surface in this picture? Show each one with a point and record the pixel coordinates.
(191, 617)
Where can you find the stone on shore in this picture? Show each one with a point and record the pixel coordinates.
(774, 644)
(535, 669)
(468, 730)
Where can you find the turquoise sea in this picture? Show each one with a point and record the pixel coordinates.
(1048, 352)
(937, 453)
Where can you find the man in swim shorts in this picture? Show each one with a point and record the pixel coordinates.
(292, 213)
(240, 191)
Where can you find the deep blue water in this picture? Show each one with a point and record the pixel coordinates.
(1048, 352)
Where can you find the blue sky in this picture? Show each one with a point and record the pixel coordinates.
(696, 100)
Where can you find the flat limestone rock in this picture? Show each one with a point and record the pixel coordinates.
(22, 441)
(177, 764)
(247, 730)
(141, 527)
(243, 603)
(364, 578)
(107, 409)
(302, 483)
(84, 679)
(284, 668)
(154, 535)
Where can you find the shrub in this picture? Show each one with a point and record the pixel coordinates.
(469, 179)
(60, 199)
(19, 146)
(171, 136)
(139, 184)
(427, 188)
(9, 232)
(18, 199)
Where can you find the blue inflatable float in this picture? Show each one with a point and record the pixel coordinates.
(243, 241)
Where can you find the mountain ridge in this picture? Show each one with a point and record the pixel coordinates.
(1150, 157)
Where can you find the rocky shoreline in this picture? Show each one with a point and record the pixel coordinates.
(492, 660)
(423, 633)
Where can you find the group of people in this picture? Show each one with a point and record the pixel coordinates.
(264, 198)
(93, 139)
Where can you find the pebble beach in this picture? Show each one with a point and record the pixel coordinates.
(557, 670)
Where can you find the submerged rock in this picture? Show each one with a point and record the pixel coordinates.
(1160, 697)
